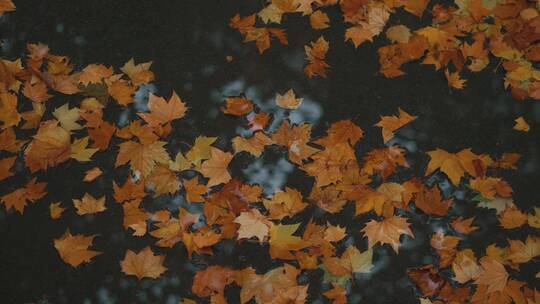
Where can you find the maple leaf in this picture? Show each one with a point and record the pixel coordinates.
(253, 145)
(523, 252)
(284, 203)
(316, 55)
(131, 190)
(445, 245)
(384, 161)
(454, 165)
(9, 115)
(200, 150)
(430, 201)
(351, 261)
(180, 163)
(490, 187)
(101, 135)
(135, 217)
(6, 165)
(36, 92)
(163, 111)
(143, 264)
(295, 138)
(427, 279)
(18, 199)
(89, 205)
(328, 165)
(6, 6)
(358, 35)
(465, 267)
(92, 174)
(271, 13)
(343, 131)
(212, 280)
(9, 142)
(138, 73)
(387, 231)
(80, 151)
(94, 73)
(334, 233)
(55, 210)
(50, 147)
(512, 218)
(122, 91)
(252, 224)
(494, 276)
(271, 286)
(67, 117)
(454, 80)
(258, 121)
(390, 124)
(288, 100)
(194, 190)
(319, 20)
(464, 226)
(73, 249)
(169, 232)
(237, 106)
(143, 158)
(521, 125)
(163, 180)
(215, 168)
(282, 242)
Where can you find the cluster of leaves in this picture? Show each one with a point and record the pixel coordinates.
(463, 36)
(35, 137)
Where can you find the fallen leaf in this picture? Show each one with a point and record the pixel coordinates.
(89, 205)
(73, 249)
(252, 224)
(163, 111)
(143, 264)
(92, 174)
(521, 125)
(215, 168)
(288, 100)
(390, 124)
(387, 231)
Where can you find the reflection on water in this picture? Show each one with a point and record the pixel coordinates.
(188, 43)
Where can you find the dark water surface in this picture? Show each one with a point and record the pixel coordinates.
(188, 41)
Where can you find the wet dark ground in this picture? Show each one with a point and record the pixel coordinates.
(188, 42)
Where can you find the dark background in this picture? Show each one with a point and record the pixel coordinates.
(188, 42)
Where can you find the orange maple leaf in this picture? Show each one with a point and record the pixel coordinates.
(387, 231)
(73, 249)
(163, 111)
(143, 264)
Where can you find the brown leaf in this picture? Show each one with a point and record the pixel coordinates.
(143, 264)
(89, 205)
(387, 231)
(73, 249)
